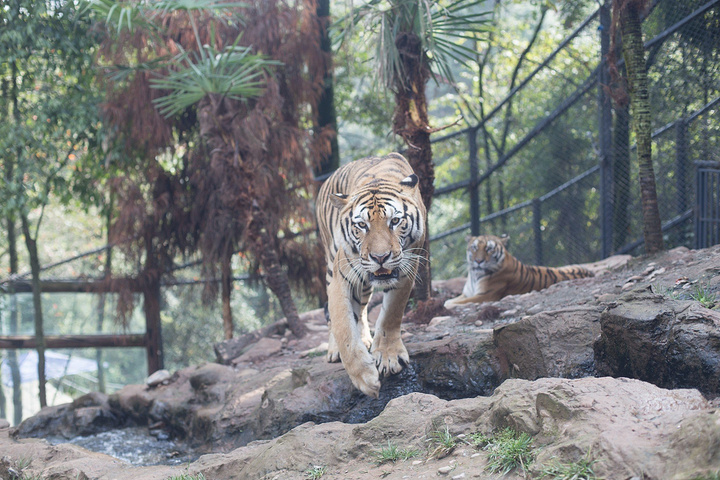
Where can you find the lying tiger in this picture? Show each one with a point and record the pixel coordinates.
(494, 273)
(371, 220)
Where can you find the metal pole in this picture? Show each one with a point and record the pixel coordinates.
(537, 230)
(681, 164)
(474, 185)
(605, 135)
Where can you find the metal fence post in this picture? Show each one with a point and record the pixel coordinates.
(537, 230)
(681, 165)
(605, 135)
(474, 186)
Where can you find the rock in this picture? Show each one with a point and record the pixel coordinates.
(263, 348)
(627, 425)
(158, 378)
(550, 344)
(672, 344)
(86, 415)
(289, 412)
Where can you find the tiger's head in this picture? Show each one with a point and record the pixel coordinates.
(382, 226)
(486, 255)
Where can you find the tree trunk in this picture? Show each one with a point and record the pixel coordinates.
(326, 115)
(275, 277)
(15, 314)
(410, 122)
(150, 285)
(101, 300)
(634, 54)
(31, 244)
(226, 289)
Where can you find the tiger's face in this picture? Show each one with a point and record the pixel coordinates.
(486, 255)
(381, 225)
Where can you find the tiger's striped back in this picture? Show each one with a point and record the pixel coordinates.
(494, 273)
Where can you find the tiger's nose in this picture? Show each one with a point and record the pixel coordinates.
(380, 259)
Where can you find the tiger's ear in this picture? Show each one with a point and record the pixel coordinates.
(410, 181)
(504, 239)
(339, 200)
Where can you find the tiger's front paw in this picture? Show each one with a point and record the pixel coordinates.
(390, 357)
(364, 375)
(333, 353)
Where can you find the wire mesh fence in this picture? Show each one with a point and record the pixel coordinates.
(564, 185)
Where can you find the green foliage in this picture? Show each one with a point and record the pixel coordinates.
(479, 439)
(187, 476)
(442, 442)
(315, 472)
(509, 449)
(233, 72)
(580, 470)
(707, 476)
(50, 98)
(393, 453)
(443, 31)
(706, 298)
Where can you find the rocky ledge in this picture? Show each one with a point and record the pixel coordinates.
(277, 409)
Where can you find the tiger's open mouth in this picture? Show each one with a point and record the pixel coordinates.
(385, 274)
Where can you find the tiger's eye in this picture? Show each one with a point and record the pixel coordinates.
(362, 225)
(394, 221)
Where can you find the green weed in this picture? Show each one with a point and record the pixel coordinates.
(507, 450)
(315, 472)
(580, 470)
(392, 453)
(478, 440)
(187, 476)
(707, 476)
(706, 298)
(442, 441)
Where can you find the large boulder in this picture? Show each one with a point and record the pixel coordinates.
(550, 344)
(670, 343)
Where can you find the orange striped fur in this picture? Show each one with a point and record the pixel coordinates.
(494, 273)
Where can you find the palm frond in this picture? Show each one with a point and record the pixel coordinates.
(120, 16)
(235, 72)
(446, 31)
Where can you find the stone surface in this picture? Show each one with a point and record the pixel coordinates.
(629, 426)
(550, 344)
(671, 343)
(276, 416)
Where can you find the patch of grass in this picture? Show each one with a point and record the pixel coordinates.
(478, 440)
(508, 450)
(393, 453)
(315, 472)
(23, 463)
(442, 441)
(668, 292)
(580, 470)
(707, 476)
(187, 476)
(706, 298)
(318, 353)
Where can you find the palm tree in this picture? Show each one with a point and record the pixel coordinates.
(249, 172)
(417, 40)
(626, 16)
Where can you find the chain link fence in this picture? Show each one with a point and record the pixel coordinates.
(538, 173)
